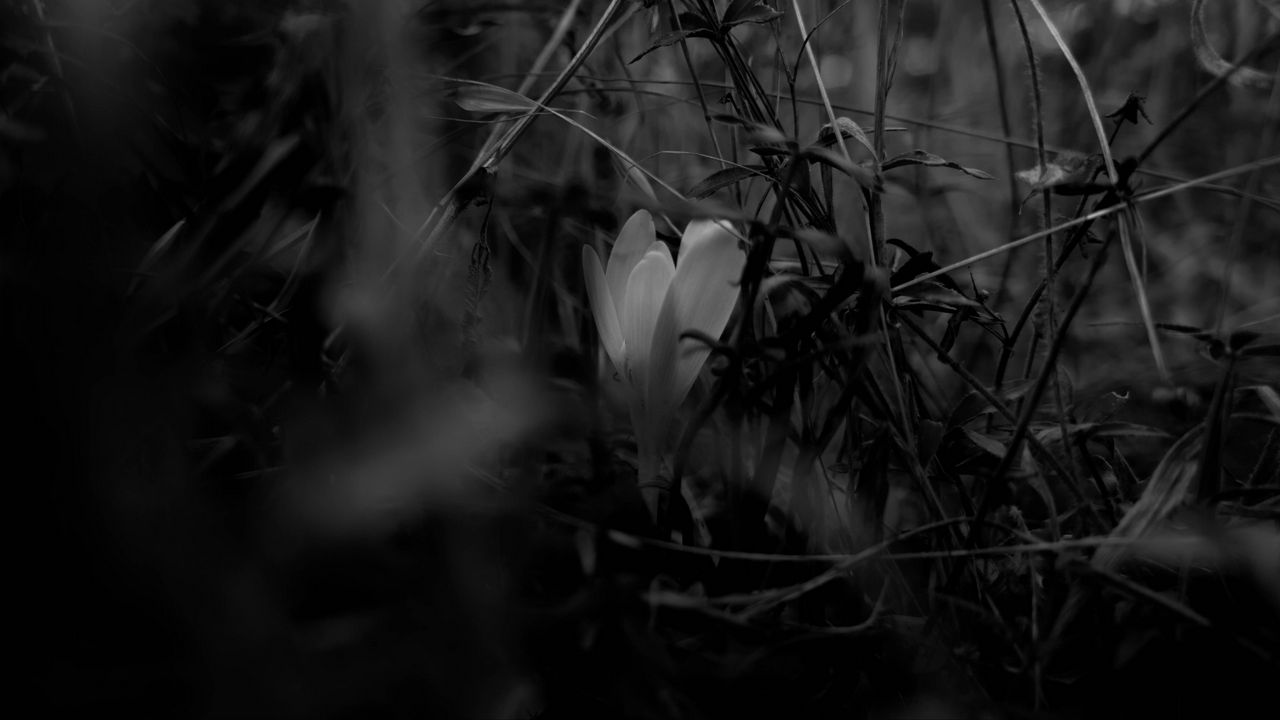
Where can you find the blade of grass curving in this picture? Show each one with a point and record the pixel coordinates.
(1002, 100)
(886, 64)
(549, 47)
(1091, 217)
(1218, 81)
(447, 209)
(1048, 325)
(622, 157)
(1210, 60)
(1029, 544)
(1085, 92)
(1128, 222)
(1269, 203)
(760, 602)
(875, 249)
(1268, 464)
(612, 18)
(751, 88)
(826, 100)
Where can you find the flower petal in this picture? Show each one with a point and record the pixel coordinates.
(646, 289)
(603, 308)
(696, 234)
(701, 298)
(633, 242)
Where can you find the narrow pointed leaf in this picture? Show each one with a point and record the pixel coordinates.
(986, 443)
(1128, 226)
(761, 134)
(492, 99)
(731, 119)
(672, 38)
(633, 242)
(727, 177)
(936, 295)
(638, 178)
(742, 11)
(848, 129)
(761, 14)
(602, 307)
(920, 157)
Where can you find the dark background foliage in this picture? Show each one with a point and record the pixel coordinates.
(282, 449)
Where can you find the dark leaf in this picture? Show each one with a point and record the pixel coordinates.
(729, 119)
(848, 129)
(952, 333)
(492, 99)
(761, 134)
(861, 173)
(1261, 351)
(1123, 429)
(671, 38)
(920, 157)
(1184, 329)
(904, 246)
(724, 178)
(918, 264)
(694, 21)
(986, 443)
(929, 440)
(768, 151)
(800, 181)
(821, 241)
(935, 296)
(744, 11)
(871, 487)
(1241, 339)
(1111, 430)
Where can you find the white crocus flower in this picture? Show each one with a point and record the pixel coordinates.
(642, 303)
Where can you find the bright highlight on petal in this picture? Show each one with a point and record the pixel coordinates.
(645, 290)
